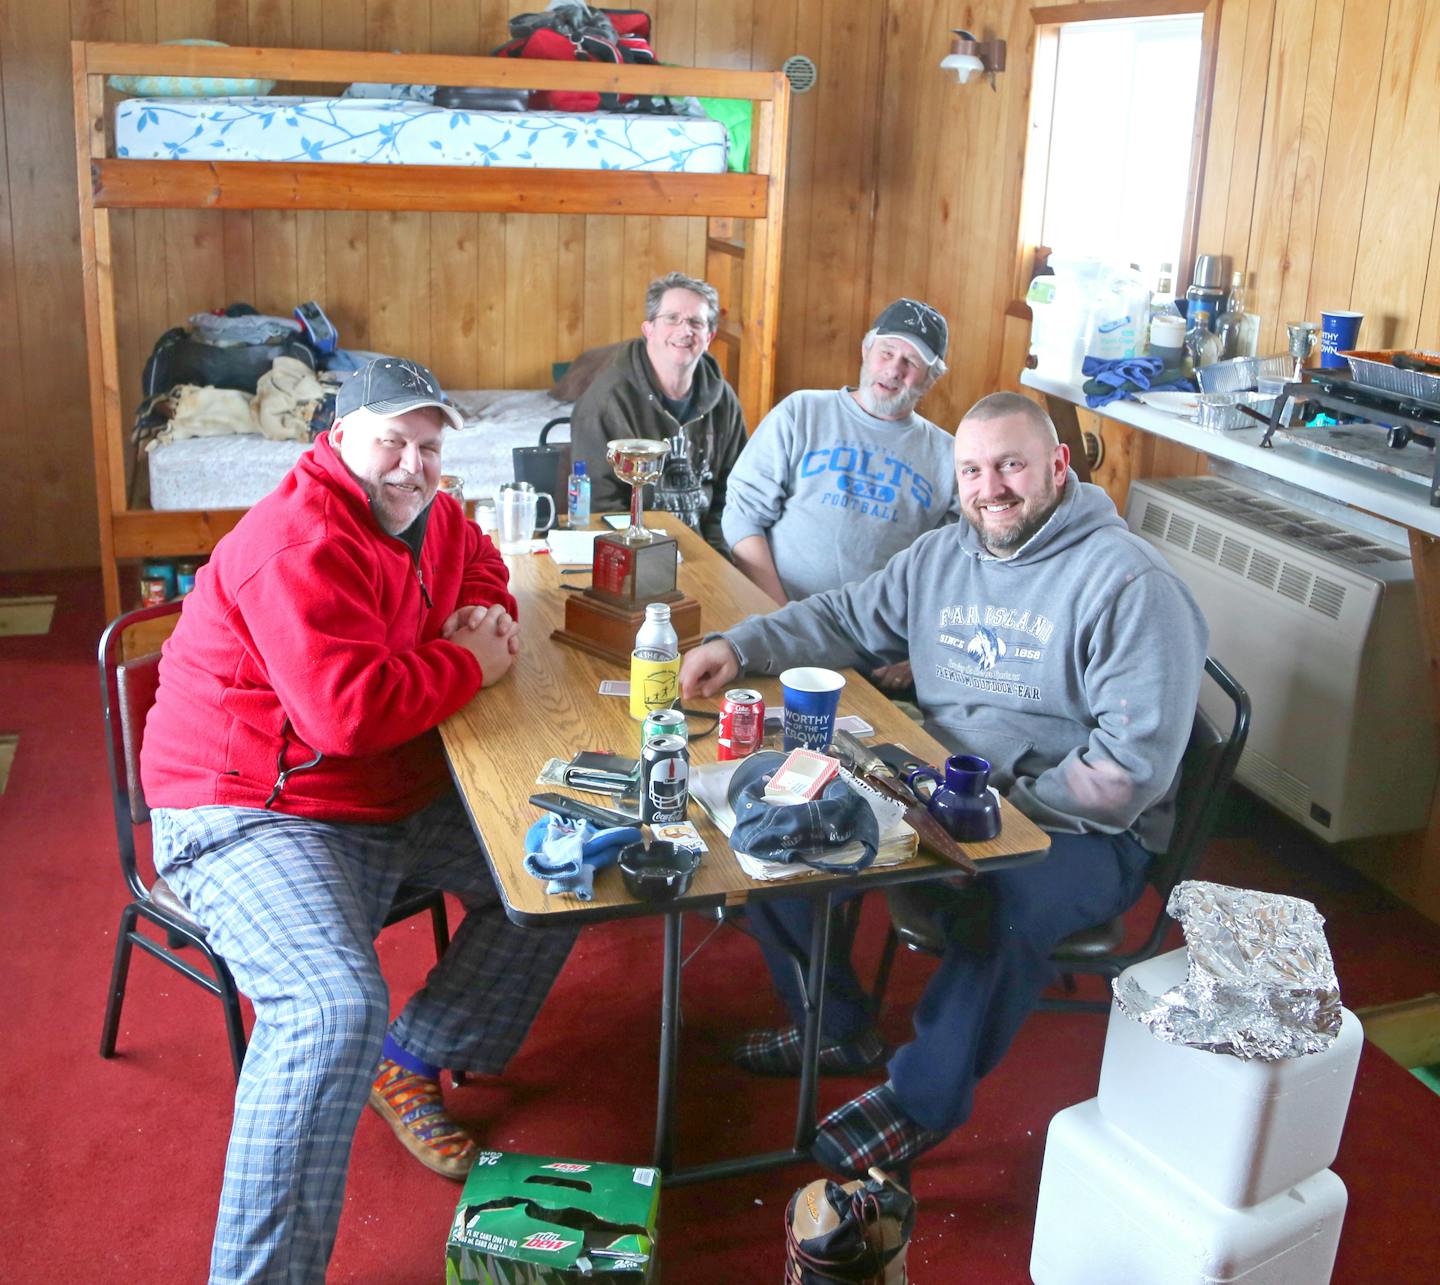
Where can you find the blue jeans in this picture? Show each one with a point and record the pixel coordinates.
(995, 966)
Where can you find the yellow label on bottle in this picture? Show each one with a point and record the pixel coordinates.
(654, 684)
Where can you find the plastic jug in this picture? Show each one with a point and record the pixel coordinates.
(1060, 312)
(1119, 316)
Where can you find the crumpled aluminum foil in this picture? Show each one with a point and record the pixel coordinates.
(1261, 980)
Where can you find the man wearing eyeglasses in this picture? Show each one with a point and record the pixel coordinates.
(666, 387)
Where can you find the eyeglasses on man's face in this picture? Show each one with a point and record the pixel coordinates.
(675, 319)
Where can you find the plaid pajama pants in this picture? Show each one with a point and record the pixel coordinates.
(293, 906)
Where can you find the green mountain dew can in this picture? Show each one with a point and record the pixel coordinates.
(664, 722)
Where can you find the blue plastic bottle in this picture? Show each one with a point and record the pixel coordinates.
(579, 493)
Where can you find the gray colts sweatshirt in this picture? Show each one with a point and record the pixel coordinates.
(836, 491)
(1073, 667)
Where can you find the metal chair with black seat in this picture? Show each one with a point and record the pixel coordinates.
(127, 690)
(1205, 773)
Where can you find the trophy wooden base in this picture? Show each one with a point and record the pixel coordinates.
(608, 630)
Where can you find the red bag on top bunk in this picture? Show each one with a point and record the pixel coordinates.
(578, 33)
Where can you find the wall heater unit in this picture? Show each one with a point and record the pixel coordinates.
(1319, 623)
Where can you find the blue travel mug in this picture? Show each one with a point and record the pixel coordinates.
(1339, 332)
(812, 697)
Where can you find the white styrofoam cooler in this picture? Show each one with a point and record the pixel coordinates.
(1241, 1130)
(1110, 1211)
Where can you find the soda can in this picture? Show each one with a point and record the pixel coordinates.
(664, 722)
(742, 723)
(664, 780)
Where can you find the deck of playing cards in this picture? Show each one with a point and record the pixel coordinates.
(801, 777)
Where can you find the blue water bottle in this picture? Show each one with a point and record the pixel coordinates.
(579, 493)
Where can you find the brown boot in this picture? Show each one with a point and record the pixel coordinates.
(855, 1233)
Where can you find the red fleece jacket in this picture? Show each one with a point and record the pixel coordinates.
(308, 633)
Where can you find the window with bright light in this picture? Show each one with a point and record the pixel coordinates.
(1117, 164)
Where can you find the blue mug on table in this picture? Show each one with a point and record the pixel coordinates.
(962, 800)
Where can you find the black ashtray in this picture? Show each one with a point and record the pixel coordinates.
(660, 872)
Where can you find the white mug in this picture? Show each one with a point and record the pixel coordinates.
(516, 509)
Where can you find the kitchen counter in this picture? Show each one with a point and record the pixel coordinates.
(1386, 496)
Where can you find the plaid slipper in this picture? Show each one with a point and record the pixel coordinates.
(411, 1104)
(871, 1130)
(779, 1053)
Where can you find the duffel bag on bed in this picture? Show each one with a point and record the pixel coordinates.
(578, 33)
(181, 357)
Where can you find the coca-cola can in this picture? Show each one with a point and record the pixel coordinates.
(742, 723)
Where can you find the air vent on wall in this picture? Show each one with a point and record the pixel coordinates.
(800, 72)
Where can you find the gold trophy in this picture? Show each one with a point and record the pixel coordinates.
(630, 568)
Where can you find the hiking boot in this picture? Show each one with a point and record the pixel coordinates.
(856, 1233)
(411, 1105)
(780, 1053)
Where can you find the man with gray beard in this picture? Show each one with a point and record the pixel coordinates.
(835, 482)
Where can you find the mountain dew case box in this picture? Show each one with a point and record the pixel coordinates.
(536, 1220)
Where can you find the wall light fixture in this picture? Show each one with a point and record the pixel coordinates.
(968, 56)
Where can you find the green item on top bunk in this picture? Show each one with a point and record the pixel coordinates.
(735, 115)
(190, 86)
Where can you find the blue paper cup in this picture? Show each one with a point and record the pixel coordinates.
(1339, 332)
(812, 696)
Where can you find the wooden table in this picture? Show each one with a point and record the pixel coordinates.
(548, 706)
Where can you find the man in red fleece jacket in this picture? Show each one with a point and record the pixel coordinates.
(296, 780)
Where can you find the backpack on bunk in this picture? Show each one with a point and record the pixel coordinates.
(578, 33)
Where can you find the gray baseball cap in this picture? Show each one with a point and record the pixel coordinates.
(390, 386)
(919, 325)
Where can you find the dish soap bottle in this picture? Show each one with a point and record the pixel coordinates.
(579, 497)
(655, 663)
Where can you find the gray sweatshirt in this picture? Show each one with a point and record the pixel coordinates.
(836, 491)
(1073, 667)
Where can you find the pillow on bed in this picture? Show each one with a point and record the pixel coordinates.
(581, 373)
(190, 86)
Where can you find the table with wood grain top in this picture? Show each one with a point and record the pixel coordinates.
(549, 706)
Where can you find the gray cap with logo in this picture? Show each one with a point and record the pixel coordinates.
(919, 325)
(390, 386)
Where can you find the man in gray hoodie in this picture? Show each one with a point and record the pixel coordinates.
(1048, 639)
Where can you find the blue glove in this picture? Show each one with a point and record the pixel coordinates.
(567, 853)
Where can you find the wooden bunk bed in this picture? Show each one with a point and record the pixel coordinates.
(744, 213)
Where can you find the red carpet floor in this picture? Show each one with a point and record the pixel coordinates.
(112, 1168)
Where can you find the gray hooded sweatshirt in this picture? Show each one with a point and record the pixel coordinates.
(1073, 667)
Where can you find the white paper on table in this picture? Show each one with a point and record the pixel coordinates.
(572, 548)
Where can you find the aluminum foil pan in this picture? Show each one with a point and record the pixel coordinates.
(1261, 980)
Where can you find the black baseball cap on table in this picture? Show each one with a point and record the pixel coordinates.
(390, 386)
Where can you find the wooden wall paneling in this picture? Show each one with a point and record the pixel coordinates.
(237, 239)
(1228, 98)
(455, 290)
(910, 92)
(400, 312)
(1277, 161)
(724, 34)
(1404, 178)
(672, 31)
(271, 23)
(1350, 136)
(490, 316)
(1244, 160)
(455, 28)
(571, 264)
(52, 441)
(277, 285)
(798, 33)
(605, 312)
(1312, 146)
(843, 178)
(532, 298)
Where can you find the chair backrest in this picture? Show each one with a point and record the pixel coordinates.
(1206, 769)
(127, 691)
